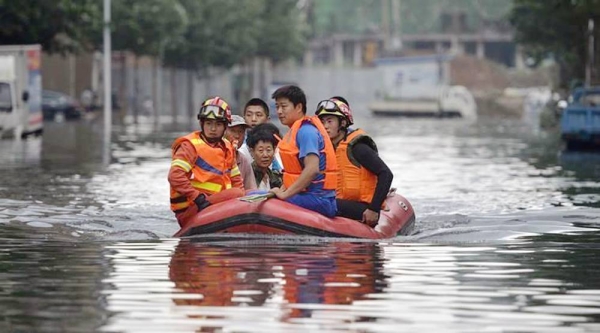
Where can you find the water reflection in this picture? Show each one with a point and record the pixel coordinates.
(512, 220)
(583, 165)
(72, 148)
(245, 285)
(290, 284)
(49, 286)
(59, 180)
(331, 273)
(20, 153)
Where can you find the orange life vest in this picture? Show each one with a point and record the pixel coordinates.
(354, 181)
(210, 173)
(288, 151)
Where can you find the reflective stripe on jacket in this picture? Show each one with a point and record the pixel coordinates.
(289, 152)
(210, 173)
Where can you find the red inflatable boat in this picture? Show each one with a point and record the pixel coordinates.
(275, 216)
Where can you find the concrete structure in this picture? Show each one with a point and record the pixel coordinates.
(492, 39)
(71, 74)
(343, 50)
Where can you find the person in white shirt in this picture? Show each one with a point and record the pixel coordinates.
(256, 112)
(235, 133)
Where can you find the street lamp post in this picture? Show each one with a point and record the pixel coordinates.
(107, 81)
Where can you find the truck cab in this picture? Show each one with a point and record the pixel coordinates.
(8, 98)
(580, 120)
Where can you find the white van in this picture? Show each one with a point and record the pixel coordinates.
(20, 90)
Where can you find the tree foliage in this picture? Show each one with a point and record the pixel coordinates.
(222, 33)
(416, 16)
(144, 26)
(557, 28)
(59, 26)
(192, 34)
(283, 32)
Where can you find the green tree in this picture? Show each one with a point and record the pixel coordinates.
(220, 33)
(283, 32)
(59, 26)
(223, 33)
(557, 28)
(139, 26)
(145, 26)
(416, 16)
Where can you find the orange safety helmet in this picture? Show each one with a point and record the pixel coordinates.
(335, 107)
(215, 108)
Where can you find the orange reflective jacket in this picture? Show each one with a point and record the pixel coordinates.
(288, 151)
(354, 181)
(210, 173)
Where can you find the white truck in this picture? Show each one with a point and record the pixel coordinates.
(419, 86)
(20, 90)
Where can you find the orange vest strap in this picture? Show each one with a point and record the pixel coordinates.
(354, 181)
(289, 151)
(210, 172)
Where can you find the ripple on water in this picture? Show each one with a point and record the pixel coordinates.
(412, 286)
(506, 240)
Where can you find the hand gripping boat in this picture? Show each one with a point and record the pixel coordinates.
(277, 217)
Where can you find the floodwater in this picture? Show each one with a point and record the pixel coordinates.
(506, 240)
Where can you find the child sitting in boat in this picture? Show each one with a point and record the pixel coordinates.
(204, 170)
(262, 142)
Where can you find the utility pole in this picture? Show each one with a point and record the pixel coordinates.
(158, 84)
(590, 57)
(107, 82)
(396, 28)
(385, 24)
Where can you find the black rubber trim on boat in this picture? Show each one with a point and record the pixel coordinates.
(274, 222)
(266, 220)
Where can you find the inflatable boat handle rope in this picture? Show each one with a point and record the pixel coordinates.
(265, 196)
(258, 197)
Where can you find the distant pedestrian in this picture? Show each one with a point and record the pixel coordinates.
(87, 99)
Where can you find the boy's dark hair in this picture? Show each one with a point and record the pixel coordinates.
(257, 102)
(341, 99)
(293, 93)
(264, 132)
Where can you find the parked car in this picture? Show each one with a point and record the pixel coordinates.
(57, 105)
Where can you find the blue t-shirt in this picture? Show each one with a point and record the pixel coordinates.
(310, 141)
